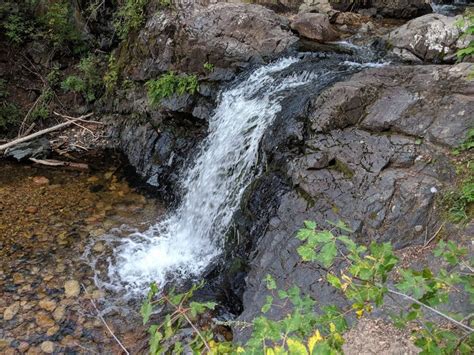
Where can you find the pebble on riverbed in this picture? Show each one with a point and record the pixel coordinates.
(72, 288)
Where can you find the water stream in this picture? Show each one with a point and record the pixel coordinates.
(184, 243)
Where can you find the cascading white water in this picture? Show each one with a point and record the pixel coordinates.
(193, 235)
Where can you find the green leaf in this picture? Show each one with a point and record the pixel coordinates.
(268, 304)
(306, 253)
(341, 225)
(271, 283)
(145, 311)
(327, 254)
(334, 281)
(310, 224)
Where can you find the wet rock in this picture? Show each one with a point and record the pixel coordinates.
(47, 304)
(376, 150)
(319, 6)
(43, 320)
(58, 313)
(72, 288)
(40, 180)
(23, 346)
(4, 343)
(11, 311)
(38, 149)
(387, 8)
(53, 330)
(31, 209)
(315, 27)
(47, 347)
(430, 38)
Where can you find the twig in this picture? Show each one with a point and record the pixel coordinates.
(81, 118)
(45, 131)
(57, 163)
(434, 236)
(105, 323)
(197, 331)
(23, 123)
(469, 329)
(34, 135)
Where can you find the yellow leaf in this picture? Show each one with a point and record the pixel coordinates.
(296, 348)
(332, 327)
(313, 340)
(360, 313)
(240, 349)
(269, 351)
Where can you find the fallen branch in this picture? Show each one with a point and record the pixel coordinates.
(42, 132)
(105, 323)
(81, 119)
(57, 163)
(445, 316)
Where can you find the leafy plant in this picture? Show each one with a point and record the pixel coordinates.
(111, 76)
(9, 112)
(362, 275)
(59, 27)
(468, 143)
(129, 17)
(17, 28)
(89, 83)
(364, 280)
(170, 84)
(208, 66)
(467, 24)
(182, 312)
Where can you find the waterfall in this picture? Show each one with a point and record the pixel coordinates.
(192, 236)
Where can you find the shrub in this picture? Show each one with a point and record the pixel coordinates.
(10, 114)
(363, 277)
(89, 83)
(129, 17)
(170, 84)
(59, 26)
(111, 76)
(17, 28)
(467, 24)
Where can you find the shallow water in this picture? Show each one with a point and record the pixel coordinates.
(48, 219)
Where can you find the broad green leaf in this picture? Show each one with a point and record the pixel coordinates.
(297, 348)
(145, 311)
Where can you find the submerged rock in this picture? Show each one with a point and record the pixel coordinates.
(430, 38)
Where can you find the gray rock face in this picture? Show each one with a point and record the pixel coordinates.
(375, 158)
(387, 8)
(315, 27)
(223, 34)
(402, 8)
(430, 38)
(233, 35)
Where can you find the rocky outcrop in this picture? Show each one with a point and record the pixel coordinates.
(375, 157)
(402, 8)
(229, 36)
(387, 8)
(430, 38)
(315, 27)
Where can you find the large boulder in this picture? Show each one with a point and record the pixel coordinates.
(229, 36)
(402, 8)
(315, 27)
(233, 35)
(430, 38)
(376, 158)
(387, 8)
